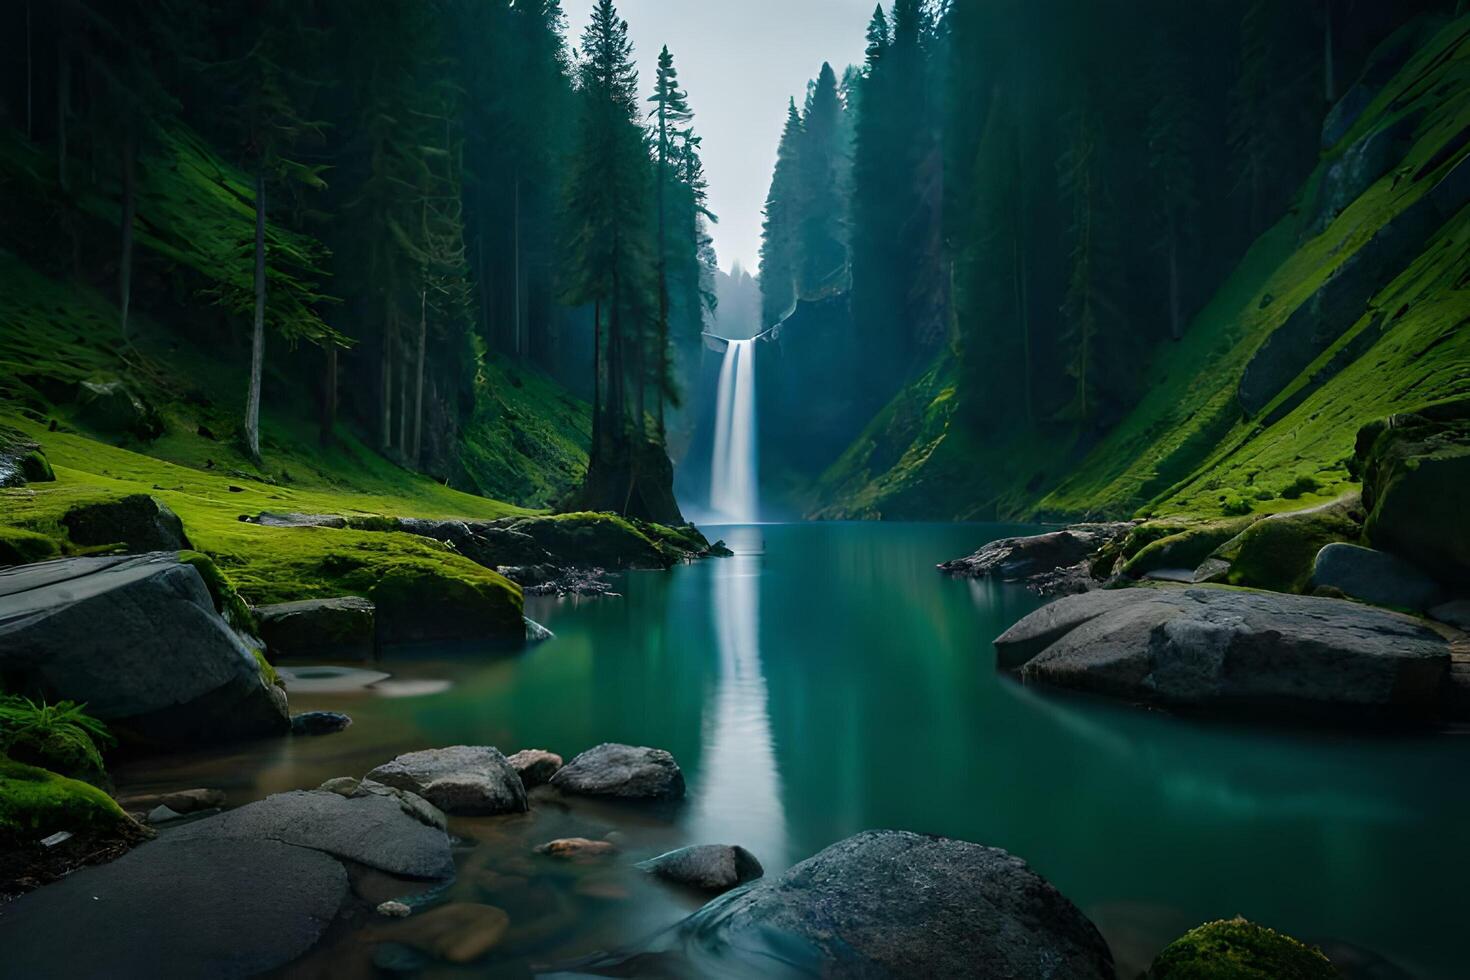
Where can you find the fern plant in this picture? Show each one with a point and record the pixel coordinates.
(61, 737)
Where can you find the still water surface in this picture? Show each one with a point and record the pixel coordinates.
(827, 680)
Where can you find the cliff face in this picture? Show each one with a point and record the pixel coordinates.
(1354, 305)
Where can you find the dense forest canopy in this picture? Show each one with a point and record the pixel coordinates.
(371, 198)
(1035, 198)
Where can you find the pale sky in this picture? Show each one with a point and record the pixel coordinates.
(739, 60)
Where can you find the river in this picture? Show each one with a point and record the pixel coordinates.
(827, 680)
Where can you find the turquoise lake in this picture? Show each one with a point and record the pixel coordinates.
(827, 679)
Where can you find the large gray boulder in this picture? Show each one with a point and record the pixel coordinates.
(176, 908)
(898, 904)
(1373, 576)
(138, 640)
(708, 867)
(138, 522)
(467, 779)
(1234, 650)
(315, 629)
(372, 830)
(622, 771)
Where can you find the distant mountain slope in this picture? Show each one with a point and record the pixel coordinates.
(1356, 304)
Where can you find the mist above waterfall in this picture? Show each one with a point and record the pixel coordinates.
(734, 493)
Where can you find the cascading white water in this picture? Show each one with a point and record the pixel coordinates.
(733, 475)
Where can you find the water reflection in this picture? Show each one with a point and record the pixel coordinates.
(738, 798)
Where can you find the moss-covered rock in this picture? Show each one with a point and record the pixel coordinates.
(593, 540)
(227, 601)
(1236, 949)
(418, 602)
(35, 803)
(110, 408)
(21, 547)
(1277, 552)
(1415, 468)
(1187, 547)
(21, 460)
(138, 522)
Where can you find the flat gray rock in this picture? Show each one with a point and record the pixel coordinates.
(708, 867)
(1051, 622)
(1235, 650)
(371, 830)
(138, 640)
(622, 771)
(467, 779)
(1374, 576)
(176, 908)
(887, 904)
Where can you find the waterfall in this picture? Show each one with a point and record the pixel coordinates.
(733, 491)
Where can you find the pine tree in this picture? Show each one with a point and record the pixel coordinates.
(779, 229)
(1173, 143)
(821, 253)
(670, 111)
(608, 264)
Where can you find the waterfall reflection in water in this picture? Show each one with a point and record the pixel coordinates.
(739, 798)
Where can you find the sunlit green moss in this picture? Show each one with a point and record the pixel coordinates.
(35, 803)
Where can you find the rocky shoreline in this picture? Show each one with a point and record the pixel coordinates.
(1350, 610)
(362, 867)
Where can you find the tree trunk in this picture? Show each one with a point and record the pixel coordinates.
(30, 73)
(418, 395)
(63, 99)
(1329, 73)
(129, 205)
(1020, 280)
(521, 339)
(596, 381)
(257, 335)
(329, 395)
(402, 405)
(1176, 324)
(387, 371)
(663, 275)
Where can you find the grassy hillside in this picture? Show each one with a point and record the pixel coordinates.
(1188, 446)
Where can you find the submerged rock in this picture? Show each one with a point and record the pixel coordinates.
(622, 771)
(138, 640)
(466, 779)
(1373, 576)
(890, 904)
(577, 848)
(711, 867)
(535, 766)
(536, 633)
(339, 629)
(137, 522)
(319, 723)
(1231, 650)
(460, 932)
